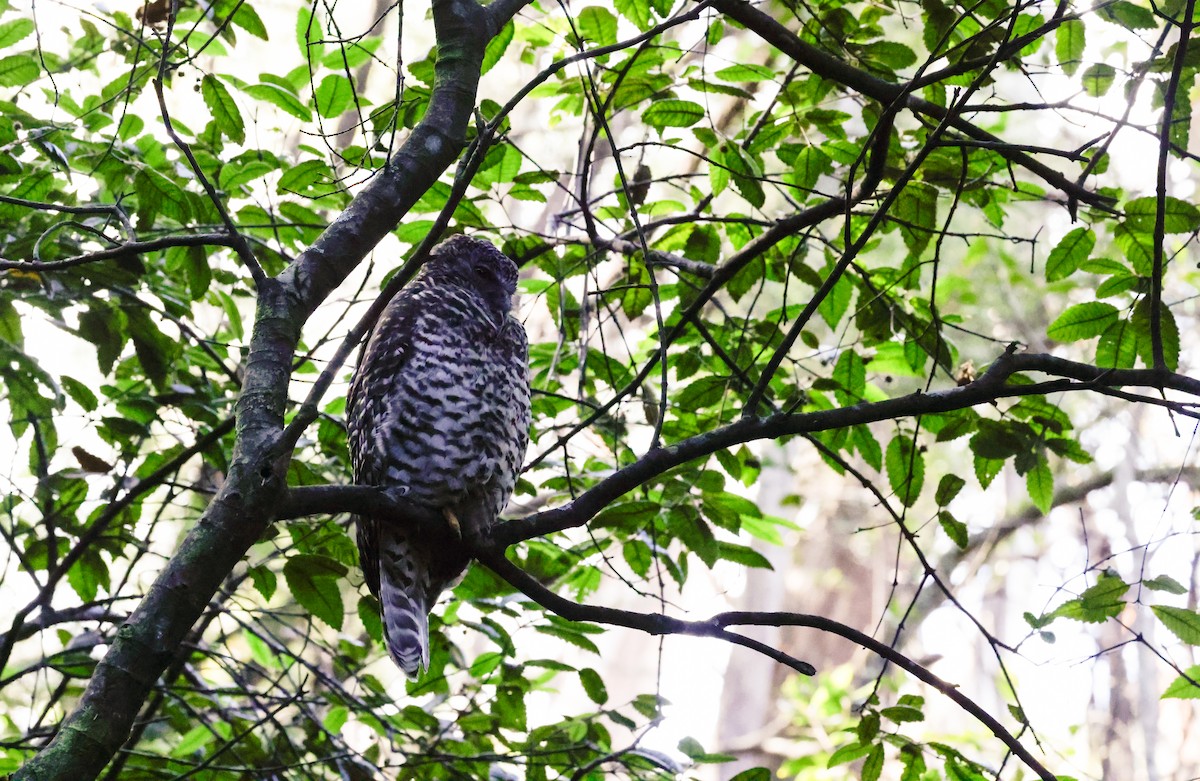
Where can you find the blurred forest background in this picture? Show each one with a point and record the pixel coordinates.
(860, 326)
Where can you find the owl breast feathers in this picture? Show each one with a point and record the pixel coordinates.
(439, 405)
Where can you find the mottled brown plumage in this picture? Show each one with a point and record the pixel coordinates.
(439, 406)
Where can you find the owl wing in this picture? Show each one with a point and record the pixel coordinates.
(393, 566)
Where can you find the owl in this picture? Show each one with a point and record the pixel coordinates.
(439, 408)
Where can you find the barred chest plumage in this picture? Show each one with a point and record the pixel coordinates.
(452, 422)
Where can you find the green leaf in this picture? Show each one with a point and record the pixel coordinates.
(955, 529)
(1184, 623)
(1186, 686)
(1070, 251)
(248, 19)
(1128, 15)
(15, 31)
(745, 72)
(598, 25)
(1098, 78)
(1118, 346)
(1039, 483)
(279, 97)
(810, 164)
(1168, 330)
(223, 109)
(916, 208)
(753, 774)
(905, 468)
(80, 392)
(333, 95)
(1164, 583)
(497, 46)
(887, 55)
(673, 113)
(159, 195)
(88, 575)
(948, 488)
(313, 580)
(851, 376)
(1082, 321)
(593, 685)
(636, 11)
(1096, 604)
(873, 764)
(740, 554)
(1178, 216)
(299, 177)
(848, 754)
(155, 351)
(10, 324)
(18, 70)
(1070, 39)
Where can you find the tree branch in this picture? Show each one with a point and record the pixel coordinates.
(717, 627)
(885, 92)
(988, 388)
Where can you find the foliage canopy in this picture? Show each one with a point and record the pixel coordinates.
(939, 245)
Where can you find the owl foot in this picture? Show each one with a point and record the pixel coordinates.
(452, 521)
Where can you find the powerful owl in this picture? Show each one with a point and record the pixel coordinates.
(439, 407)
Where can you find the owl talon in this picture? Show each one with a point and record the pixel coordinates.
(452, 521)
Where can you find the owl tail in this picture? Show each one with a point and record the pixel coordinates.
(403, 601)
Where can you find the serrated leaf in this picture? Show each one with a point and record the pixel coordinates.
(745, 72)
(955, 529)
(1118, 346)
(905, 468)
(1186, 686)
(1168, 331)
(1128, 15)
(314, 582)
(810, 164)
(18, 70)
(333, 95)
(916, 208)
(1082, 321)
(847, 754)
(1096, 604)
(636, 11)
(598, 25)
(15, 31)
(1070, 39)
(851, 376)
(1183, 623)
(673, 113)
(279, 97)
(1098, 78)
(1070, 251)
(638, 556)
(593, 685)
(948, 488)
(1164, 583)
(1039, 483)
(1178, 216)
(249, 20)
(223, 109)
(497, 46)
(159, 195)
(872, 766)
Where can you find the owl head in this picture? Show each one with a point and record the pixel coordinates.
(478, 266)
